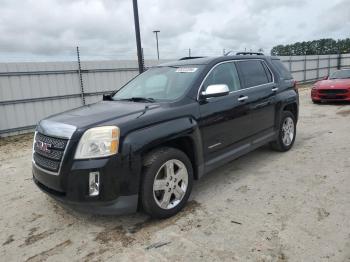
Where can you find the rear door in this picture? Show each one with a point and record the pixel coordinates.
(259, 88)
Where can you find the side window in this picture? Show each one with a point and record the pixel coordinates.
(225, 73)
(282, 70)
(253, 73)
(267, 71)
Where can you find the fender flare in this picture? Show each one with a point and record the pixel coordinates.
(286, 98)
(138, 142)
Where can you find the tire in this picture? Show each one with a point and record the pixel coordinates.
(283, 143)
(316, 102)
(162, 170)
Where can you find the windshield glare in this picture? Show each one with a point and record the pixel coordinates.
(160, 83)
(341, 74)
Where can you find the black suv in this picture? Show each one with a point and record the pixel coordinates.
(142, 146)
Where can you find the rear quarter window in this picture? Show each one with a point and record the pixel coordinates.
(281, 69)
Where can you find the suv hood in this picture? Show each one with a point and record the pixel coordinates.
(101, 112)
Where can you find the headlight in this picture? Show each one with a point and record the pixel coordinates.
(98, 142)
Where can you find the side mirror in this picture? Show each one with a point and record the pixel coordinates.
(215, 91)
(325, 78)
(107, 97)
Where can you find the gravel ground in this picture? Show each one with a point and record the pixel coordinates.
(265, 206)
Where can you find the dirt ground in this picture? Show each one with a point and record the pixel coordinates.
(265, 206)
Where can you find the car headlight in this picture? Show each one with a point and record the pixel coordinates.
(98, 142)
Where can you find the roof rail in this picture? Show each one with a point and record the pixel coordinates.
(190, 57)
(249, 53)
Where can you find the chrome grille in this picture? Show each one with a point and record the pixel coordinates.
(46, 163)
(53, 154)
(58, 143)
(48, 151)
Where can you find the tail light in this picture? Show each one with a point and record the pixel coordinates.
(295, 86)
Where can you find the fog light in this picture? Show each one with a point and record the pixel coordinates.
(94, 183)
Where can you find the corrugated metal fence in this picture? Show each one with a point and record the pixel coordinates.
(32, 91)
(313, 67)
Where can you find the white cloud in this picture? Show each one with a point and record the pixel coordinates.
(52, 28)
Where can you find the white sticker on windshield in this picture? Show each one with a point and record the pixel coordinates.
(186, 70)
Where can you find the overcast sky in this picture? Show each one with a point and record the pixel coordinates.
(50, 29)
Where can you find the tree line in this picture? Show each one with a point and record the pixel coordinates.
(316, 47)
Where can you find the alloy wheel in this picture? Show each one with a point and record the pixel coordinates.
(170, 184)
(288, 131)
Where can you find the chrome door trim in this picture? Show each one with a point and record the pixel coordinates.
(215, 145)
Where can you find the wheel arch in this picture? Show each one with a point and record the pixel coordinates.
(182, 133)
(184, 144)
(293, 108)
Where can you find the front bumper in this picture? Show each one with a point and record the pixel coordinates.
(122, 205)
(119, 184)
(316, 95)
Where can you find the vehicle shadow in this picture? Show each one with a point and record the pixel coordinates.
(220, 175)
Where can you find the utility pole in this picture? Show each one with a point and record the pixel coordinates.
(138, 37)
(156, 32)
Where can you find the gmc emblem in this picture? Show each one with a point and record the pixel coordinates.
(42, 146)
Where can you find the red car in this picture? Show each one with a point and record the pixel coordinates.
(336, 87)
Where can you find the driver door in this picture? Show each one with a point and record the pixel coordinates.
(224, 120)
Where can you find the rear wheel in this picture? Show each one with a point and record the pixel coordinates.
(286, 132)
(167, 182)
(316, 101)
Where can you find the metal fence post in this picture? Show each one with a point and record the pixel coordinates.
(80, 77)
(305, 68)
(290, 64)
(339, 60)
(318, 67)
(143, 61)
(329, 64)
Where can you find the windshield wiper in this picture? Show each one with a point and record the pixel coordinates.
(139, 99)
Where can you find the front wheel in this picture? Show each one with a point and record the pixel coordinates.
(166, 183)
(286, 133)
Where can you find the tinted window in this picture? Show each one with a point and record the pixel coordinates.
(253, 73)
(268, 72)
(225, 73)
(281, 69)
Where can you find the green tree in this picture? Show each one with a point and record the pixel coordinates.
(316, 47)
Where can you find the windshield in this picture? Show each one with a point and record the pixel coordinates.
(340, 74)
(159, 83)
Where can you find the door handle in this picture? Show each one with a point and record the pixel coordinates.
(275, 89)
(242, 98)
